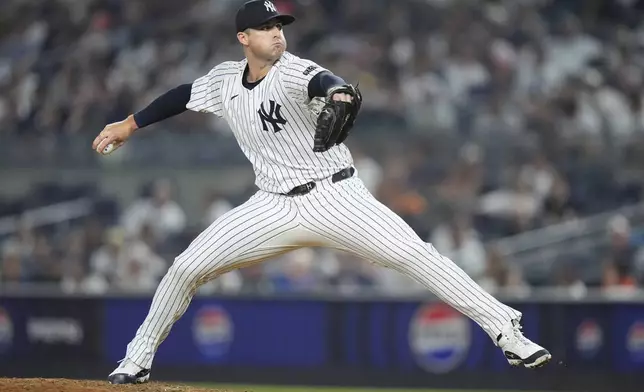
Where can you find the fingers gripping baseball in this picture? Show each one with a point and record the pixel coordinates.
(113, 136)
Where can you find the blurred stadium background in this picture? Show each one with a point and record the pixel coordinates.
(508, 133)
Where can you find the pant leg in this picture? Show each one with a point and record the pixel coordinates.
(350, 216)
(252, 232)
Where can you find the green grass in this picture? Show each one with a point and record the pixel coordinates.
(257, 388)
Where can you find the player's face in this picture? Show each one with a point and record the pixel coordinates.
(267, 41)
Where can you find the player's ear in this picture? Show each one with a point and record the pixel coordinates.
(242, 37)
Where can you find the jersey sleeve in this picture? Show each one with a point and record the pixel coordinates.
(205, 95)
(297, 75)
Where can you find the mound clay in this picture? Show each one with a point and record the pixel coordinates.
(62, 385)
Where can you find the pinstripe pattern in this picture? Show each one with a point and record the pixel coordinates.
(249, 233)
(281, 160)
(352, 218)
(343, 215)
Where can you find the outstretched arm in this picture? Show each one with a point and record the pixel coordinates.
(167, 105)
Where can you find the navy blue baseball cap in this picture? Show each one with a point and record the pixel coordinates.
(258, 12)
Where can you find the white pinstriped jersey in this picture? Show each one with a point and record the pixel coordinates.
(274, 122)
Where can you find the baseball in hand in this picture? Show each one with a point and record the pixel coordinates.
(108, 149)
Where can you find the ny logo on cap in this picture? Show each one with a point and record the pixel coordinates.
(270, 7)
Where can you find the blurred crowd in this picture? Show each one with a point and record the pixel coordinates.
(487, 118)
(130, 253)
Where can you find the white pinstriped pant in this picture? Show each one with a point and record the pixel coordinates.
(342, 215)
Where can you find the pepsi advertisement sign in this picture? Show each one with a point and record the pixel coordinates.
(440, 337)
(635, 341)
(627, 334)
(589, 338)
(212, 331)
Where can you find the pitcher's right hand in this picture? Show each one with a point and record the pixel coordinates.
(115, 134)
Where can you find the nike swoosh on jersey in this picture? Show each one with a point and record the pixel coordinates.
(234, 96)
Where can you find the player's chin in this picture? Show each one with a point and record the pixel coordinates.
(278, 50)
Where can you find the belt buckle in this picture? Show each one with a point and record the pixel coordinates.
(309, 187)
(301, 189)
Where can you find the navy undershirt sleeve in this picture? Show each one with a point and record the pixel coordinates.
(167, 105)
(322, 82)
(174, 101)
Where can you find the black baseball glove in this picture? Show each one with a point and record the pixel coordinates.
(337, 118)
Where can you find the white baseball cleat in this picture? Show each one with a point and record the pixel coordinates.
(129, 373)
(520, 350)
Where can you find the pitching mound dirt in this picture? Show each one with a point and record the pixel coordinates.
(62, 385)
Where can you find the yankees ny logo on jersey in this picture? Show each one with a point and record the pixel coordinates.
(274, 117)
(270, 7)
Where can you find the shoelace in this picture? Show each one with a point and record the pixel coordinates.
(122, 363)
(516, 330)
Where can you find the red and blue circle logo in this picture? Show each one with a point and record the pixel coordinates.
(635, 341)
(212, 331)
(6, 331)
(589, 339)
(439, 337)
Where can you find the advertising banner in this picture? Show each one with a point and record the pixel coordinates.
(42, 329)
(228, 332)
(422, 337)
(402, 343)
(627, 337)
(586, 339)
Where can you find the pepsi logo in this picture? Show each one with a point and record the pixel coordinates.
(635, 340)
(212, 331)
(589, 338)
(439, 337)
(6, 330)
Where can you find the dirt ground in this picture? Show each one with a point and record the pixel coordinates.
(63, 385)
